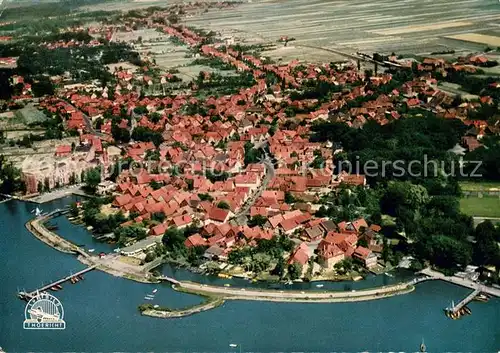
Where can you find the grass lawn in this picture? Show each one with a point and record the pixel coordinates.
(481, 207)
(479, 186)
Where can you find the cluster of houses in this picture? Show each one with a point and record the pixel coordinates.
(199, 174)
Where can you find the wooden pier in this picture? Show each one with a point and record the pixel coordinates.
(456, 308)
(29, 295)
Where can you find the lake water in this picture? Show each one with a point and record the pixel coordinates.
(101, 311)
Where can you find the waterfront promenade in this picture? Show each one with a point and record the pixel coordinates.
(326, 296)
(463, 282)
(217, 294)
(111, 264)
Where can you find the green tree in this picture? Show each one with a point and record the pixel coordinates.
(205, 197)
(42, 87)
(10, 178)
(279, 269)
(223, 205)
(73, 209)
(92, 179)
(158, 216)
(257, 220)
(485, 249)
(150, 256)
(295, 271)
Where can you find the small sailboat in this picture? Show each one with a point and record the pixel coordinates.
(155, 290)
(37, 212)
(423, 348)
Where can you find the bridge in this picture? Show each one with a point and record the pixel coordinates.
(169, 279)
(29, 295)
(56, 213)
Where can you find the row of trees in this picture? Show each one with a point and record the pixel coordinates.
(423, 202)
(267, 255)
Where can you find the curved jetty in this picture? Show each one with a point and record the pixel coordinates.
(164, 313)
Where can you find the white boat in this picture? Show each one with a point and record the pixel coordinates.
(319, 285)
(290, 282)
(388, 274)
(150, 295)
(155, 290)
(156, 306)
(37, 212)
(148, 298)
(91, 250)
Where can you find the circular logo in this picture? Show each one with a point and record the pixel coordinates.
(44, 311)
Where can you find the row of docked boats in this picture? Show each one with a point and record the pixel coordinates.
(73, 280)
(457, 314)
(482, 297)
(454, 314)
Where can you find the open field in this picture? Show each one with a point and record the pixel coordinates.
(453, 89)
(480, 186)
(403, 26)
(488, 206)
(493, 41)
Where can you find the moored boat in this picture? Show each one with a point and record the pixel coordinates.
(481, 298)
(54, 288)
(155, 290)
(58, 286)
(423, 348)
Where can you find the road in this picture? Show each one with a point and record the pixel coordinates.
(241, 217)
(88, 122)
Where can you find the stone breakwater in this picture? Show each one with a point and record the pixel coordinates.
(218, 295)
(229, 293)
(211, 303)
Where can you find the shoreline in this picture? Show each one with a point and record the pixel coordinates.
(216, 294)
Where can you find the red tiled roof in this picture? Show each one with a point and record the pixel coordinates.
(195, 240)
(218, 214)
